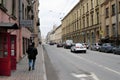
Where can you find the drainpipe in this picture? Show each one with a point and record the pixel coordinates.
(19, 32)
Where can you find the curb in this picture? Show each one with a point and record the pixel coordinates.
(44, 70)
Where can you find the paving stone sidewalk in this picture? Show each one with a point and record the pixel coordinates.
(22, 72)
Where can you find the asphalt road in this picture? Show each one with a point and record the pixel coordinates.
(61, 64)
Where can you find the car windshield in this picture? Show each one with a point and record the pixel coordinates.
(78, 44)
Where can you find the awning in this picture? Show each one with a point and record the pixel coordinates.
(9, 25)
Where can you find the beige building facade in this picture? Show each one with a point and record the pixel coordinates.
(110, 20)
(55, 35)
(58, 34)
(36, 23)
(87, 21)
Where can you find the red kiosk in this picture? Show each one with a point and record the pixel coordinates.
(7, 54)
(5, 62)
(7, 49)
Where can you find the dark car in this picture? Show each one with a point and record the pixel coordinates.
(51, 43)
(95, 46)
(59, 45)
(116, 50)
(68, 44)
(107, 47)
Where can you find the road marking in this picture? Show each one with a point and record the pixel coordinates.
(94, 76)
(83, 76)
(79, 75)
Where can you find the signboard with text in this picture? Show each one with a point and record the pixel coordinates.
(26, 23)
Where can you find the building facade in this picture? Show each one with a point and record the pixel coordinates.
(87, 21)
(36, 22)
(110, 20)
(16, 18)
(58, 34)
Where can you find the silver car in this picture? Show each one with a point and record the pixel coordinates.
(78, 47)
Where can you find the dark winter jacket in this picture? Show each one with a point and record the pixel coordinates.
(32, 52)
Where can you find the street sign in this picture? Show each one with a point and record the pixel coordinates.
(26, 23)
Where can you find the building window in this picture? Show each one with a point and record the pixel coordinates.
(114, 29)
(107, 12)
(77, 25)
(91, 3)
(83, 22)
(80, 12)
(22, 11)
(87, 21)
(83, 10)
(13, 7)
(119, 6)
(2, 5)
(113, 9)
(97, 17)
(80, 23)
(107, 30)
(87, 6)
(97, 2)
(92, 19)
(1, 2)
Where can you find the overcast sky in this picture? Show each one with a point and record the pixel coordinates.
(51, 12)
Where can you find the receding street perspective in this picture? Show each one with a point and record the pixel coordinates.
(59, 39)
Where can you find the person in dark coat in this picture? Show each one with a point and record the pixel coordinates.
(32, 53)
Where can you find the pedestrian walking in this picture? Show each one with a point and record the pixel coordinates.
(32, 53)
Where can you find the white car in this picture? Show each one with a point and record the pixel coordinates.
(78, 47)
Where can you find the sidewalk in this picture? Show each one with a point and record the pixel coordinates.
(22, 72)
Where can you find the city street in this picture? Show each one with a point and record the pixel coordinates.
(61, 64)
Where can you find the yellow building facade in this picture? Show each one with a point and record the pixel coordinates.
(110, 20)
(92, 21)
(82, 23)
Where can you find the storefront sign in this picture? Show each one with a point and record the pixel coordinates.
(26, 23)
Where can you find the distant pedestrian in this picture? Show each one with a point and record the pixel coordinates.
(32, 53)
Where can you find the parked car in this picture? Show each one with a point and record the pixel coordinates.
(51, 43)
(107, 47)
(86, 45)
(78, 47)
(59, 45)
(116, 50)
(95, 46)
(68, 44)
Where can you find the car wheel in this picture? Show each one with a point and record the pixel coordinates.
(84, 51)
(99, 50)
(114, 52)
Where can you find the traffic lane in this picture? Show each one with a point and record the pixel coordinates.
(63, 69)
(91, 66)
(50, 71)
(106, 59)
(103, 72)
